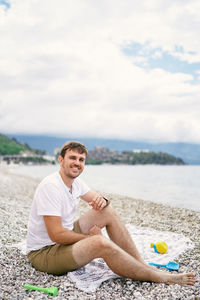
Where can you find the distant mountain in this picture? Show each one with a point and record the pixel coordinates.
(189, 152)
(100, 155)
(10, 146)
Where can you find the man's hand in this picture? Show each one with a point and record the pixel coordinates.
(98, 202)
(95, 230)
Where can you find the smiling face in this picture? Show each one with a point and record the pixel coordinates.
(72, 165)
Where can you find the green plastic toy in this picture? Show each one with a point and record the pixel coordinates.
(53, 291)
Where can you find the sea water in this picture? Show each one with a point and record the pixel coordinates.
(176, 186)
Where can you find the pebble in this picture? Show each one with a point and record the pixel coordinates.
(16, 194)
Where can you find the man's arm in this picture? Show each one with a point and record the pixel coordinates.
(59, 234)
(97, 201)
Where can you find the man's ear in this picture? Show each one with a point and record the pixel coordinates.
(60, 159)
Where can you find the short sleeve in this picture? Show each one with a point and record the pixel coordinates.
(48, 201)
(83, 187)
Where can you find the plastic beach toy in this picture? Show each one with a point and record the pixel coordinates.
(160, 247)
(53, 291)
(173, 266)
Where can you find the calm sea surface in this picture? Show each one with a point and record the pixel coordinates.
(177, 186)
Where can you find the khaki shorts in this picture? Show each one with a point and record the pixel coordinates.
(55, 259)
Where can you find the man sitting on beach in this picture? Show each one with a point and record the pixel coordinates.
(57, 244)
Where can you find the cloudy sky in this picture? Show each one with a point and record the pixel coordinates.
(117, 69)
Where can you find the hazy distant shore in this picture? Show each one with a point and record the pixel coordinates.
(16, 194)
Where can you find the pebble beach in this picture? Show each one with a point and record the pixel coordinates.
(16, 193)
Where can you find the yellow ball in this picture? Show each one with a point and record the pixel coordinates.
(161, 247)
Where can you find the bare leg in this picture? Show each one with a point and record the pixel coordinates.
(115, 229)
(122, 263)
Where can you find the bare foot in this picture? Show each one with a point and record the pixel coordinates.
(182, 279)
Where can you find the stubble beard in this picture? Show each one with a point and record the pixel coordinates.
(70, 175)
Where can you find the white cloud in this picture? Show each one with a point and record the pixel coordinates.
(62, 70)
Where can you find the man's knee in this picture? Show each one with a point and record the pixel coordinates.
(109, 210)
(99, 241)
(90, 248)
(99, 244)
(103, 247)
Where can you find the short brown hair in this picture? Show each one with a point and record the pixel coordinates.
(73, 145)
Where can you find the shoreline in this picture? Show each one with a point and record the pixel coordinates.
(16, 193)
(172, 188)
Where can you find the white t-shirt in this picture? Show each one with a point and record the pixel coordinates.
(52, 198)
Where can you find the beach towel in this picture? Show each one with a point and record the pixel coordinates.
(90, 277)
